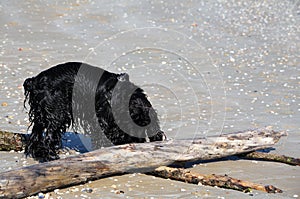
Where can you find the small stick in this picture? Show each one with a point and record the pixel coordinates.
(222, 181)
(272, 157)
(11, 141)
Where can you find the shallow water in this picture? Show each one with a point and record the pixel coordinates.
(208, 68)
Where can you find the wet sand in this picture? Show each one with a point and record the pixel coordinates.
(208, 68)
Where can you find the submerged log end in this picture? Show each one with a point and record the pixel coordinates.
(272, 189)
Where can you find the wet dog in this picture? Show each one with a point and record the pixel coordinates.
(91, 100)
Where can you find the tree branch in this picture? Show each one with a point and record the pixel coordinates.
(272, 157)
(222, 181)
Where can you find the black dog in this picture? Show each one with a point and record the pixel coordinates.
(106, 105)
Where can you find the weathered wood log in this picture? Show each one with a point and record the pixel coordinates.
(15, 141)
(222, 181)
(141, 157)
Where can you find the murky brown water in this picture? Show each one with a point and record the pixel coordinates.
(208, 67)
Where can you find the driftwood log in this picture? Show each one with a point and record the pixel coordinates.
(15, 141)
(144, 157)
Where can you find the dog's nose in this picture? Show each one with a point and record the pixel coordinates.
(162, 135)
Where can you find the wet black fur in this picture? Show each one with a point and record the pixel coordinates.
(61, 96)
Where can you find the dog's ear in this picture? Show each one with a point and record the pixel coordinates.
(29, 84)
(123, 77)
